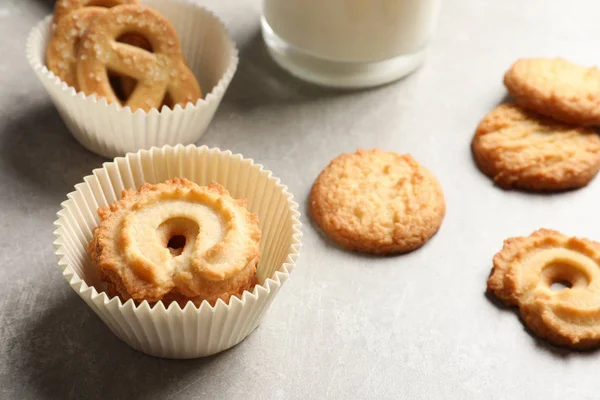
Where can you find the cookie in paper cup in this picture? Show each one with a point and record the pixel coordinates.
(193, 331)
(111, 130)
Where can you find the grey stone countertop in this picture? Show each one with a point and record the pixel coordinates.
(345, 326)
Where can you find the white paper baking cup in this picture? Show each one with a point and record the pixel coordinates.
(192, 331)
(111, 130)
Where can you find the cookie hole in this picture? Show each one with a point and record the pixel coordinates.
(135, 39)
(177, 234)
(561, 275)
(122, 85)
(167, 101)
(560, 285)
(176, 245)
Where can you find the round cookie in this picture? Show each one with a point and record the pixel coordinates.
(556, 88)
(524, 272)
(520, 149)
(378, 202)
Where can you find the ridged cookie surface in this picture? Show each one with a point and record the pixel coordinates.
(526, 268)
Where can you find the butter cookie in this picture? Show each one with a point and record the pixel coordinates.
(556, 88)
(520, 149)
(63, 47)
(524, 272)
(160, 73)
(177, 241)
(62, 8)
(376, 201)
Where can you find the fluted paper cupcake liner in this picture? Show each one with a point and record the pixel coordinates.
(112, 130)
(193, 331)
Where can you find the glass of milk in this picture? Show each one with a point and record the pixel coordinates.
(349, 43)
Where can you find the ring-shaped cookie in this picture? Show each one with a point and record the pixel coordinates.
(524, 272)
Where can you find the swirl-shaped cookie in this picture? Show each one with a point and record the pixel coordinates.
(526, 268)
(177, 241)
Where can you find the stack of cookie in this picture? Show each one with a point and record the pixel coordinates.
(128, 54)
(544, 142)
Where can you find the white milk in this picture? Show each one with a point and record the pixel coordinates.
(349, 32)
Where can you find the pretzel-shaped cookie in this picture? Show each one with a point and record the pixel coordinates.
(524, 271)
(177, 241)
(71, 19)
(65, 7)
(61, 53)
(161, 72)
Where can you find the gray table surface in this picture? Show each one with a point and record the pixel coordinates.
(345, 326)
